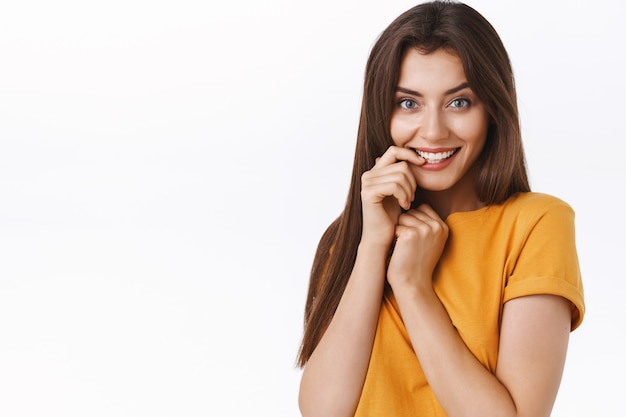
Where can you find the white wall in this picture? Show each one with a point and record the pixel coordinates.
(167, 168)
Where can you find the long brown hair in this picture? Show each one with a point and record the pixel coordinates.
(501, 167)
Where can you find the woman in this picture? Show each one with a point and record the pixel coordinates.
(446, 287)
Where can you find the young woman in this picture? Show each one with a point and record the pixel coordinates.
(445, 287)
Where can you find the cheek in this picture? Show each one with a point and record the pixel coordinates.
(472, 130)
(401, 131)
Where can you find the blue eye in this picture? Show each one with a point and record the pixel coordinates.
(407, 104)
(460, 103)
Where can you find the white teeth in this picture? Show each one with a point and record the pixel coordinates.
(433, 158)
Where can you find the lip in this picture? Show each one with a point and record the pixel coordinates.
(436, 150)
(439, 165)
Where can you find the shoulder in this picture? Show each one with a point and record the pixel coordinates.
(528, 213)
(542, 243)
(534, 201)
(533, 206)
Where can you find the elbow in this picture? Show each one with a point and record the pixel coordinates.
(304, 400)
(302, 404)
(309, 407)
(318, 406)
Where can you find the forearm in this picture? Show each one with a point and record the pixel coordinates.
(463, 386)
(333, 377)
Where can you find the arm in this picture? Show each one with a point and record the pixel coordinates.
(533, 344)
(334, 374)
(333, 377)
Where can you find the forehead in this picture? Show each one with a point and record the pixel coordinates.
(438, 70)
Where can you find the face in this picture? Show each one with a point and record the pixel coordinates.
(438, 115)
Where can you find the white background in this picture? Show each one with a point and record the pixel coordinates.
(167, 168)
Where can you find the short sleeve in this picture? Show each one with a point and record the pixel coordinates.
(548, 260)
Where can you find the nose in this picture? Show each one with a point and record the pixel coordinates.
(433, 125)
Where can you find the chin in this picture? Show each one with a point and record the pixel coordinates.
(433, 188)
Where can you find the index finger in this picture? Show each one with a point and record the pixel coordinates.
(427, 211)
(395, 154)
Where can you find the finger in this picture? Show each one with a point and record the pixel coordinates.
(427, 210)
(401, 167)
(414, 219)
(409, 218)
(399, 173)
(414, 234)
(377, 192)
(424, 228)
(395, 154)
(422, 215)
(404, 233)
(427, 215)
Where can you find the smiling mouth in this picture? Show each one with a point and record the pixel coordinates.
(435, 158)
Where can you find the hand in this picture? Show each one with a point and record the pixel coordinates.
(420, 238)
(386, 189)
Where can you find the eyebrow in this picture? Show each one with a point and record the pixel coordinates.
(447, 92)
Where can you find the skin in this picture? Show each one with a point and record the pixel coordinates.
(534, 330)
(437, 111)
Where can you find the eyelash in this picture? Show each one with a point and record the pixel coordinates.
(466, 103)
(403, 101)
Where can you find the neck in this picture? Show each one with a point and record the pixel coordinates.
(461, 197)
(444, 205)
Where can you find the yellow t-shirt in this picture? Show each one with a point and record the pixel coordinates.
(494, 254)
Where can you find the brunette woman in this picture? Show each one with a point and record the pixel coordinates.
(445, 287)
